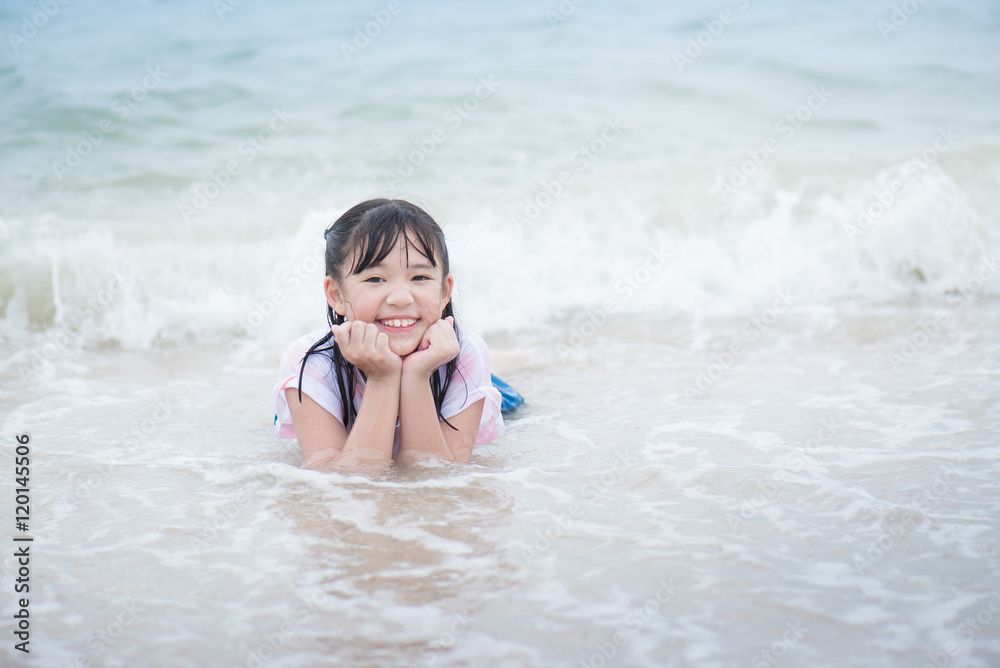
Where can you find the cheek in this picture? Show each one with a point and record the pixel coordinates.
(359, 301)
(434, 305)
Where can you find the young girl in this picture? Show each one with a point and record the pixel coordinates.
(394, 376)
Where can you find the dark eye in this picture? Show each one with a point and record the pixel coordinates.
(422, 278)
(373, 279)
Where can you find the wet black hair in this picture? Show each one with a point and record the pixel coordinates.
(364, 236)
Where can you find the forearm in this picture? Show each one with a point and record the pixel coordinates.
(419, 428)
(371, 437)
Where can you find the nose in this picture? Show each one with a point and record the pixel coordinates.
(399, 295)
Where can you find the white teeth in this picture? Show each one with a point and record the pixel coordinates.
(399, 323)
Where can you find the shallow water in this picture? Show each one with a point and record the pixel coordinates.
(812, 500)
(761, 425)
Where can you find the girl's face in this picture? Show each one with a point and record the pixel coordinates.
(402, 298)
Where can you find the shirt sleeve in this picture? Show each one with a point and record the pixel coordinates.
(317, 382)
(471, 383)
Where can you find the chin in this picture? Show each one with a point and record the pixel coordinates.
(402, 351)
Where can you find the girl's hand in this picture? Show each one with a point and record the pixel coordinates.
(439, 346)
(364, 346)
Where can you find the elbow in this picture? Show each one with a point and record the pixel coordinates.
(367, 461)
(462, 453)
(319, 460)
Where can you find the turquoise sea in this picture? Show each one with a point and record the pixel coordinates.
(740, 257)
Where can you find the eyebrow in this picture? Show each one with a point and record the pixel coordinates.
(420, 266)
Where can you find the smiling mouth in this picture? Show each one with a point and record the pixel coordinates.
(398, 323)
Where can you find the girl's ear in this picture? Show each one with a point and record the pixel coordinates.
(446, 287)
(333, 296)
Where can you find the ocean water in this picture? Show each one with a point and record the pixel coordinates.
(741, 258)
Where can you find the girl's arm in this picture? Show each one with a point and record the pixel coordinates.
(420, 431)
(324, 442)
(422, 434)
